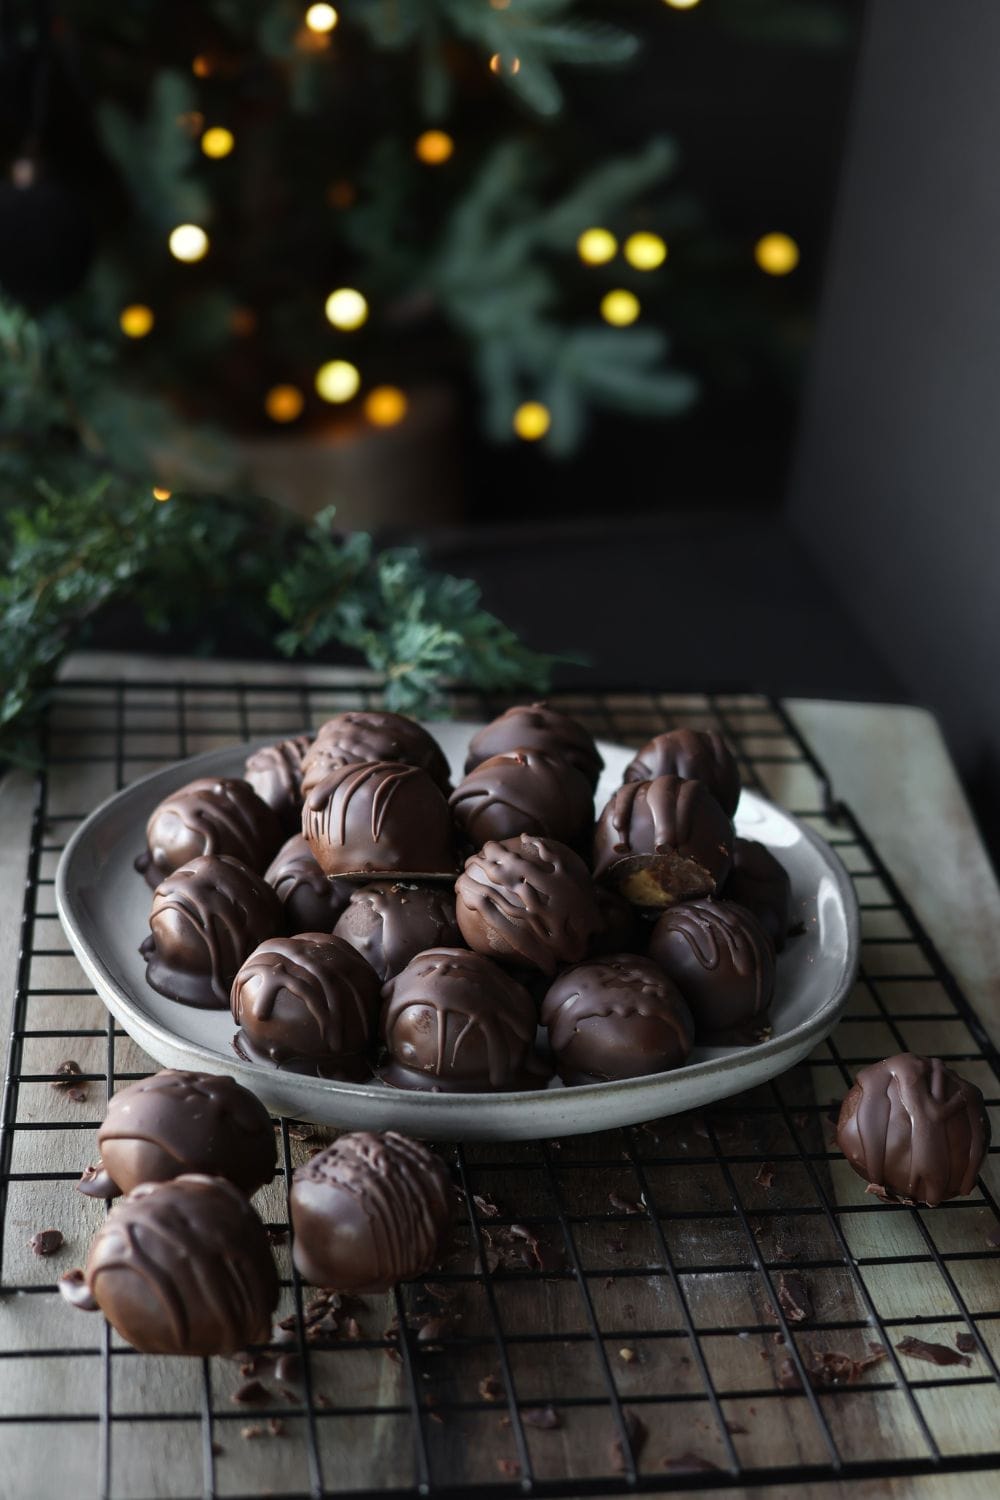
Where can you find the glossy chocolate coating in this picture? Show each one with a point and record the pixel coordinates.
(391, 921)
(360, 736)
(695, 755)
(536, 726)
(760, 883)
(662, 841)
(616, 1017)
(528, 902)
(721, 960)
(213, 815)
(914, 1130)
(177, 1122)
(275, 773)
(383, 818)
(619, 929)
(454, 1021)
(182, 1267)
(207, 917)
(311, 900)
(309, 1004)
(523, 791)
(369, 1211)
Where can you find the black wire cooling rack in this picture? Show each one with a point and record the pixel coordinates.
(707, 1301)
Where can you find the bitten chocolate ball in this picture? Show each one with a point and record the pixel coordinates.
(275, 773)
(524, 791)
(369, 1211)
(359, 737)
(527, 902)
(175, 1123)
(758, 882)
(721, 960)
(453, 1021)
(620, 929)
(311, 900)
(616, 1017)
(914, 1130)
(181, 1267)
(694, 755)
(536, 726)
(308, 1004)
(663, 841)
(216, 816)
(379, 819)
(207, 917)
(391, 921)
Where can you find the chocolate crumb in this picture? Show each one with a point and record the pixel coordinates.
(275, 1426)
(625, 1205)
(322, 1399)
(249, 1433)
(288, 1369)
(217, 1450)
(508, 1466)
(67, 1071)
(764, 1175)
(352, 1329)
(252, 1393)
(934, 1354)
(485, 1206)
(637, 1433)
(490, 1388)
(546, 1418)
(435, 1329)
(78, 1095)
(689, 1463)
(793, 1295)
(966, 1342)
(628, 1355)
(735, 1428)
(46, 1241)
(608, 1283)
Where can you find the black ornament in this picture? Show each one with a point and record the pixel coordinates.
(46, 241)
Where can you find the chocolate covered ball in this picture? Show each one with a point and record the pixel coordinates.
(177, 1122)
(379, 819)
(275, 773)
(619, 929)
(694, 755)
(369, 1211)
(455, 1022)
(721, 960)
(361, 736)
(616, 1017)
(221, 816)
(760, 883)
(391, 921)
(663, 841)
(524, 791)
(207, 917)
(311, 900)
(914, 1130)
(536, 726)
(527, 902)
(181, 1267)
(308, 1004)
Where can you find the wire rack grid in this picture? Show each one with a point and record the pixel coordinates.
(706, 1301)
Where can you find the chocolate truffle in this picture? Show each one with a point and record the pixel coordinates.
(207, 917)
(620, 929)
(308, 1004)
(358, 737)
(217, 816)
(176, 1122)
(758, 882)
(721, 960)
(914, 1130)
(663, 841)
(524, 791)
(312, 902)
(369, 1211)
(694, 755)
(453, 1021)
(275, 773)
(391, 921)
(528, 902)
(536, 726)
(384, 818)
(616, 1017)
(181, 1267)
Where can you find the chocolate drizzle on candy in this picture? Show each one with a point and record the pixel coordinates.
(391, 921)
(663, 841)
(275, 773)
(216, 816)
(356, 738)
(381, 818)
(721, 960)
(914, 1130)
(312, 902)
(695, 755)
(527, 902)
(536, 726)
(524, 791)
(616, 1017)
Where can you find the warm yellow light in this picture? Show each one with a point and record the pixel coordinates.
(776, 254)
(346, 308)
(188, 242)
(596, 246)
(532, 421)
(337, 381)
(645, 251)
(321, 18)
(159, 493)
(283, 403)
(385, 406)
(201, 67)
(681, 4)
(434, 147)
(217, 142)
(620, 308)
(136, 320)
(496, 64)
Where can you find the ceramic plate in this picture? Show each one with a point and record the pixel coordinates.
(104, 907)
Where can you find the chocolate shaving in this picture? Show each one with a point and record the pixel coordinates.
(546, 1418)
(490, 1388)
(252, 1393)
(690, 1463)
(764, 1175)
(934, 1354)
(288, 1369)
(275, 1426)
(46, 1241)
(793, 1295)
(625, 1205)
(485, 1206)
(829, 1368)
(966, 1342)
(735, 1428)
(636, 1432)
